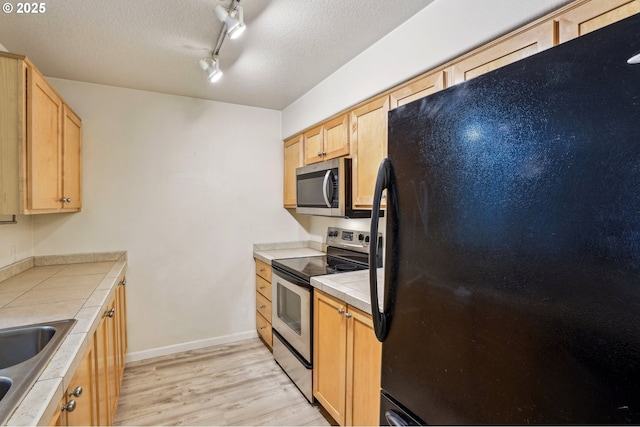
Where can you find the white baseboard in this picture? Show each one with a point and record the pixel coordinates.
(192, 345)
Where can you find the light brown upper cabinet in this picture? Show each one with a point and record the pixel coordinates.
(593, 15)
(40, 142)
(292, 160)
(416, 89)
(503, 51)
(71, 160)
(369, 124)
(327, 141)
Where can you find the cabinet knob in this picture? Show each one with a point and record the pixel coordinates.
(262, 327)
(65, 200)
(69, 407)
(319, 153)
(261, 286)
(124, 282)
(262, 306)
(348, 315)
(111, 312)
(341, 311)
(77, 392)
(261, 269)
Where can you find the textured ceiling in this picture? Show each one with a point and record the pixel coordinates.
(289, 45)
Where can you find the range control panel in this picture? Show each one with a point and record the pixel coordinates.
(350, 239)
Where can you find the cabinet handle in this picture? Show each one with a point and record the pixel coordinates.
(77, 392)
(341, 311)
(69, 407)
(111, 312)
(124, 282)
(348, 315)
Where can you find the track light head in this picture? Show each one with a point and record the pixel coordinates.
(212, 68)
(233, 20)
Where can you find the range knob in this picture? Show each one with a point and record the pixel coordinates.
(366, 240)
(361, 237)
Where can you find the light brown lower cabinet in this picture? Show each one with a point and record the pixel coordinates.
(263, 302)
(347, 362)
(78, 406)
(100, 371)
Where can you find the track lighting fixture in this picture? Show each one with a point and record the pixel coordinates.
(232, 19)
(211, 66)
(233, 26)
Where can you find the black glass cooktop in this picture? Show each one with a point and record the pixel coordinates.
(307, 267)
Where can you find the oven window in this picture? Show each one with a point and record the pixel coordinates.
(289, 308)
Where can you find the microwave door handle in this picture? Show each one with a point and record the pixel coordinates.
(325, 188)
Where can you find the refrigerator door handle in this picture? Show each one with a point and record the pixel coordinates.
(384, 180)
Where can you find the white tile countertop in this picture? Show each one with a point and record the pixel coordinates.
(44, 289)
(351, 287)
(267, 252)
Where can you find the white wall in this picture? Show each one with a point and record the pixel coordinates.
(438, 33)
(186, 186)
(16, 240)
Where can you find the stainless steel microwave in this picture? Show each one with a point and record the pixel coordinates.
(325, 189)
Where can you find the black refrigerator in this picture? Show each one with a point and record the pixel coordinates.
(512, 272)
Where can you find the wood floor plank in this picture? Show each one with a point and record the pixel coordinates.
(231, 384)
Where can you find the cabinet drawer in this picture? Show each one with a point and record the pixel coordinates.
(263, 270)
(263, 287)
(263, 306)
(264, 329)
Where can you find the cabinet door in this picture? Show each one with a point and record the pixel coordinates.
(593, 15)
(112, 358)
(330, 355)
(121, 331)
(369, 146)
(44, 132)
(71, 161)
(292, 159)
(12, 133)
(420, 88)
(313, 146)
(364, 365)
(504, 51)
(59, 417)
(81, 390)
(102, 373)
(336, 137)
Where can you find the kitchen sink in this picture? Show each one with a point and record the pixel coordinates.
(20, 344)
(5, 385)
(24, 353)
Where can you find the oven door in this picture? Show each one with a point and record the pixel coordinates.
(291, 312)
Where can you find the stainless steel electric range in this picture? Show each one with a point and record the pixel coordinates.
(292, 315)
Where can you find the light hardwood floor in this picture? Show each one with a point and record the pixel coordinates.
(232, 384)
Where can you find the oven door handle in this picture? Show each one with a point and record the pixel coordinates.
(326, 189)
